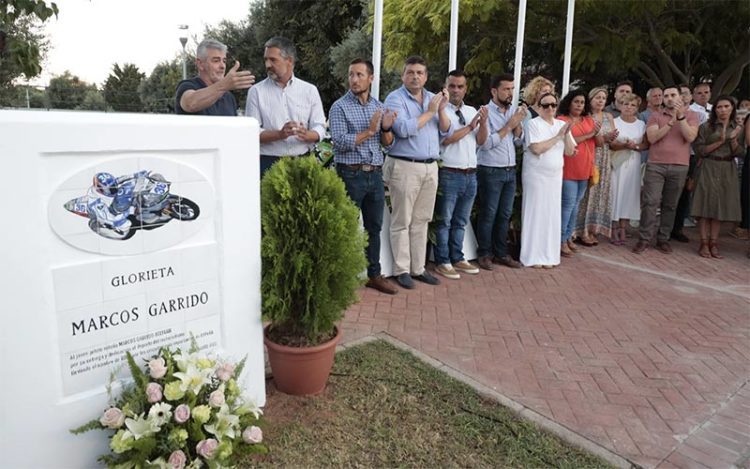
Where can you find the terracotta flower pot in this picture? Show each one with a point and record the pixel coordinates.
(301, 371)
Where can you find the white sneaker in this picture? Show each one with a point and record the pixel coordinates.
(447, 271)
(465, 267)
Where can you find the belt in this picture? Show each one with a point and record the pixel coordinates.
(414, 160)
(721, 158)
(506, 168)
(284, 156)
(459, 170)
(365, 168)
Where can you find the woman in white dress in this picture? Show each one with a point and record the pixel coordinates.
(542, 185)
(626, 168)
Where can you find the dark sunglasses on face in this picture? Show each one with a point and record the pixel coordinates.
(548, 105)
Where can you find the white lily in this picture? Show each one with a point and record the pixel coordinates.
(184, 360)
(141, 427)
(225, 424)
(193, 378)
(249, 406)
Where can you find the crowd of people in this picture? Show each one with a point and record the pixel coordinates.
(589, 169)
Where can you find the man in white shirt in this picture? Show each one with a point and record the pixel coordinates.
(701, 96)
(288, 109)
(457, 179)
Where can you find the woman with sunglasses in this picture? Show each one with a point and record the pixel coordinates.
(716, 197)
(574, 109)
(542, 185)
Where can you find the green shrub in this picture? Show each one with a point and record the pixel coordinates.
(312, 250)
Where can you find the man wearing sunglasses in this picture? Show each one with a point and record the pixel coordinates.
(457, 179)
(496, 173)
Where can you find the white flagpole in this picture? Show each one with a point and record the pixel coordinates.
(568, 46)
(453, 50)
(518, 63)
(377, 42)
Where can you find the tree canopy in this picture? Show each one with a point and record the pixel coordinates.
(21, 49)
(121, 88)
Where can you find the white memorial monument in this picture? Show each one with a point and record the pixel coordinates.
(120, 232)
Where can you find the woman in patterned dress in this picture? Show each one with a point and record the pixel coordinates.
(595, 211)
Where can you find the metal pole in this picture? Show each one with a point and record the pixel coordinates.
(377, 43)
(453, 50)
(518, 62)
(568, 46)
(183, 41)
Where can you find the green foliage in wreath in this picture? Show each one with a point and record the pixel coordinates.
(312, 250)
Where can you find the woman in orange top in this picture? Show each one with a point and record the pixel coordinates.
(574, 108)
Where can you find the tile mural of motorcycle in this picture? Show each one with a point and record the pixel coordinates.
(117, 207)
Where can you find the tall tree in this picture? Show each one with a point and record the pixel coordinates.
(656, 42)
(21, 49)
(67, 91)
(121, 88)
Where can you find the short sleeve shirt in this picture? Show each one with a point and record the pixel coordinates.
(224, 106)
(671, 148)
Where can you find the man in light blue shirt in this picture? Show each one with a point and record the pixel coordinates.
(288, 109)
(411, 171)
(496, 174)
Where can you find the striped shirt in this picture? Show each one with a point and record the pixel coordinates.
(274, 106)
(348, 117)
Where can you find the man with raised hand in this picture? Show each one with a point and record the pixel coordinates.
(457, 181)
(670, 133)
(288, 108)
(359, 125)
(209, 93)
(496, 173)
(411, 171)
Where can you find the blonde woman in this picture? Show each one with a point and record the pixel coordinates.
(535, 89)
(595, 211)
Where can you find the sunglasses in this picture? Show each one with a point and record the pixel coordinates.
(548, 105)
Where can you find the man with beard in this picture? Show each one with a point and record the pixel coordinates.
(209, 93)
(359, 124)
(411, 171)
(670, 133)
(496, 174)
(288, 109)
(623, 88)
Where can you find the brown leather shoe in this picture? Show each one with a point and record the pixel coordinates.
(507, 261)
(664, 247)
(486, 263)
(640, 246)
(565, 250)
(572, 246)
(381, 284)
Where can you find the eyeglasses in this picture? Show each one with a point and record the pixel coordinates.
(461, 118)
(548, 105)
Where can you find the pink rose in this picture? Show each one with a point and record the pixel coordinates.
(252, 435)
(177, 459)
(112, 418)
(225, 372)
(182, 413)
(206, 448)
(157, 367)
(153, 392)
(216, 398)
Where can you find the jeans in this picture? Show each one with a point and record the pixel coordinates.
(662, 185)
(497, 189)
(455, 197)
(366, 190)
(572, 193)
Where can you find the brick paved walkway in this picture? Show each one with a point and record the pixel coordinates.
(648, 356)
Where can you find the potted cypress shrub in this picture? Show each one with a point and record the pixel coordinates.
(313, 254)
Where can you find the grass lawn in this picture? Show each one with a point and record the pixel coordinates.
(383, 407)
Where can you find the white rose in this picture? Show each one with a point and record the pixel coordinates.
(112, 418)
(157, 367)
(216, 398)
(252, 435)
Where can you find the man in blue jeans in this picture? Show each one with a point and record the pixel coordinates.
(359, 124)
(496, 173)
(457, 179)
